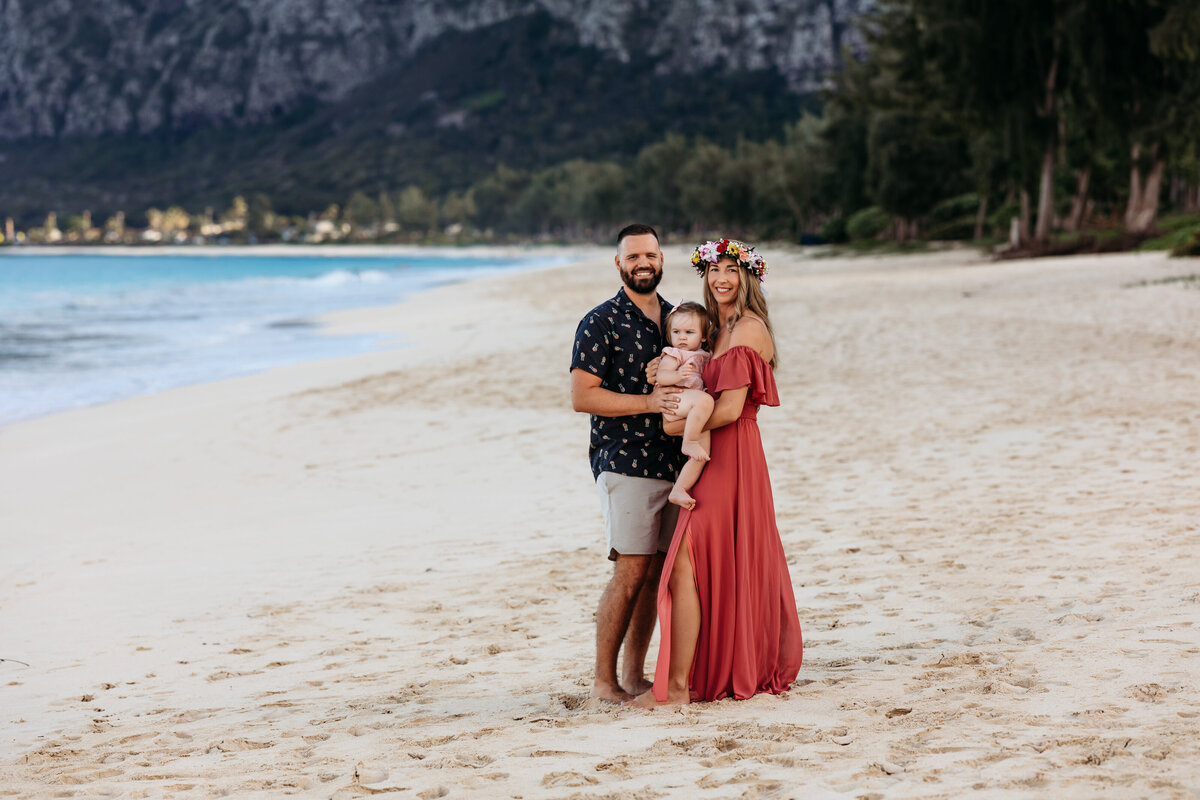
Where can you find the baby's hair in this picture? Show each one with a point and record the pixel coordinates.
(701, 313)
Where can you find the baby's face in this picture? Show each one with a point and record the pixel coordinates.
(685, 332)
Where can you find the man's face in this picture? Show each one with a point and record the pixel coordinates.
(640, 262)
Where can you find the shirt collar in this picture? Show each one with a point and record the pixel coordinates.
(627, 305)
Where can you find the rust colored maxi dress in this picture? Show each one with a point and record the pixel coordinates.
(750, 638)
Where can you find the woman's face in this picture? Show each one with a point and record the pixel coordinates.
(724, 279)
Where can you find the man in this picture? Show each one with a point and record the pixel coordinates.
(633, 461)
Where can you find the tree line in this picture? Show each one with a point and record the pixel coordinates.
(1015, 119)
(1059, 111)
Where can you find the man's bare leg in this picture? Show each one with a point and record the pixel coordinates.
(685, 630)
(612, 622)
(641, 628)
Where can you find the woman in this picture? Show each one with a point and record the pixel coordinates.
(727, 613)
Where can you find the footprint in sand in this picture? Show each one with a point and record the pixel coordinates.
(617, 768)
(572, 702)
(369, 775)
(237, 746)
(224, 674)
(1149, 692)
(553, 779)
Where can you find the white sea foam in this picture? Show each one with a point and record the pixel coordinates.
(80, 329)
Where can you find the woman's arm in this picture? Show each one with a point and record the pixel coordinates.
(728, 407)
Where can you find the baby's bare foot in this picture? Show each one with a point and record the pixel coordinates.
(682, 499)
(694, 450)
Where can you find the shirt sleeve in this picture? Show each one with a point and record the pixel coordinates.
(592, 346)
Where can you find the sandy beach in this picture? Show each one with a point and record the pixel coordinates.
(376, 575)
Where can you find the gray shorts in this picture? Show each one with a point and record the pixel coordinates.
(638, 520)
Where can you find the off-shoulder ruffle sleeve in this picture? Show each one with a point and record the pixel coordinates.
(742, 366)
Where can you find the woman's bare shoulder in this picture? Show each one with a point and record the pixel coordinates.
(752, 332)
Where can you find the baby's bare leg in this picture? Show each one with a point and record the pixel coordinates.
(699, 412)
(681, 491)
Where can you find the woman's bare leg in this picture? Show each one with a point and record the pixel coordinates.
(685, 630)
(681, 491)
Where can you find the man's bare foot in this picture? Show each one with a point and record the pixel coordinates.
(612, 693)
(636, 685)
(694, 450)
(648, 700)
(681, 498)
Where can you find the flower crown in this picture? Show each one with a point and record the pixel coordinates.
(742, 253)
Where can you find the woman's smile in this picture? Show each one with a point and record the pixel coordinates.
(723, 280)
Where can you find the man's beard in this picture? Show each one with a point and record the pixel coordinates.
(642, 285)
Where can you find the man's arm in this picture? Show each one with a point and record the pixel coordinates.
(589, 397)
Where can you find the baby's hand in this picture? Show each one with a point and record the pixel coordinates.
(688, 370)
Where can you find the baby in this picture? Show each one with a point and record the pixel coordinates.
(681, 365)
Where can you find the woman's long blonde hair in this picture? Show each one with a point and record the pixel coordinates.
(750, 297)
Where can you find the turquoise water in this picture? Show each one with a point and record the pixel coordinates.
(77, 330)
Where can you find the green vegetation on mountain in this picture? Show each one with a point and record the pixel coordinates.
(523, 94)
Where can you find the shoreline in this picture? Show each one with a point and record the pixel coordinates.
(331, 251)
(537, 261)
(377, 573)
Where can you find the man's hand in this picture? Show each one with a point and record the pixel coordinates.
(652, 370)
(588, 396)
(664, 399)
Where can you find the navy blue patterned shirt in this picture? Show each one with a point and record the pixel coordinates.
(614, 342)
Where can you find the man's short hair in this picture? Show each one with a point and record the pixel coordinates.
(636, 229)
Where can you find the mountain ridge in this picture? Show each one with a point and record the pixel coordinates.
(70, 68)
(523, 91)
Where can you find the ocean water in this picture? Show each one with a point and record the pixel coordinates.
(76, 330)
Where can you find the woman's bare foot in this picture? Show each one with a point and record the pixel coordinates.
(681, 498)
(648, 700)
(613, 694)
(694, 450)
